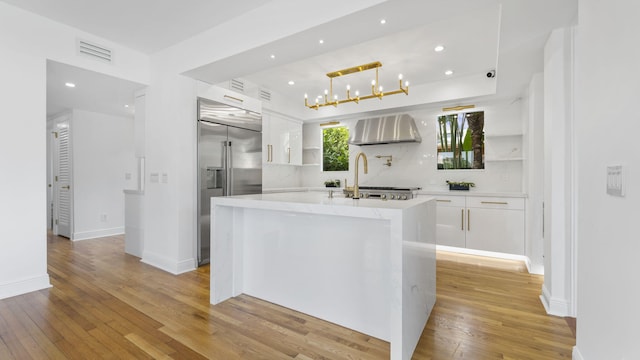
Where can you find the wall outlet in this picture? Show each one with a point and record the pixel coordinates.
(127, 176)
(103, 217)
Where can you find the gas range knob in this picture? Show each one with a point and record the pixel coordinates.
(404, 197)
(365, 195)
(392, 197)
(383, 196)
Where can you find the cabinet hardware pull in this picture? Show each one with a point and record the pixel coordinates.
(438, 200)
(468, 219)
(495, 202)
(233, 98)
(269, 153)
(462, 219)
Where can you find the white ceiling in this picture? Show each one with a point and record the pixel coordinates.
(92, 92)
(144, 25)
(479, 35)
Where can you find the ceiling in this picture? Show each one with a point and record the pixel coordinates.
(144, 25)
(92, 92)
(478, 35)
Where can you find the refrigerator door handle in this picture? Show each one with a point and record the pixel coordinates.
(229, 154)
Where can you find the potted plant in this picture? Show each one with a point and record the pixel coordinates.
(332, 183)
(460, 185)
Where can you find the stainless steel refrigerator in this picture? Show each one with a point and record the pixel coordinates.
(229, 160)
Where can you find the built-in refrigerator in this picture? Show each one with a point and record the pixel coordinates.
(229, 160)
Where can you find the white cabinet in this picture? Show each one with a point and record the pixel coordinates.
(450, 226)
(281, 139)
(495, 224)
(481, 223)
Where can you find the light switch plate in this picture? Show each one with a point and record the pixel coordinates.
(615, 180)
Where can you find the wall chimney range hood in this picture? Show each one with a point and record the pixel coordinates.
(385, 130)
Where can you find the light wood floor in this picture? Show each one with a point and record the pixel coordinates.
(106, 304)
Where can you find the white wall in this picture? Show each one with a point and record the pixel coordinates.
(534, 173)
(415, 164)
(23, 261)
(558, 149)
(23, 257)
(607, 83)
(103, 153)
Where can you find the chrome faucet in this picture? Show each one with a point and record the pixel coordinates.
(356, 187)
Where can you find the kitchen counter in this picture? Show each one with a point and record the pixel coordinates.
(366, 264)
(420, 192)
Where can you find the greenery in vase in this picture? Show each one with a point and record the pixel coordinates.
(332, 183)
(461, 183)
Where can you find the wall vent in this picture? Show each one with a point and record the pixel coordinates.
(237, 85)
(96, 52)
(265, 95)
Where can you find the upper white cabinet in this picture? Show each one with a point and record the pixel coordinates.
(281, 139)
(482, 223)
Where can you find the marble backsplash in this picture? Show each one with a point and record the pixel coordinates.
(414, 164)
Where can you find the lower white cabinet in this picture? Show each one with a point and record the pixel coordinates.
(481, 223)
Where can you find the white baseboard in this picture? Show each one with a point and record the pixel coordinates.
(169, 265)
(86, 235)
(554, 306)
(24, 286)
(576, 354)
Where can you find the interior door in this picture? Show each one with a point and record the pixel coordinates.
(63, 196)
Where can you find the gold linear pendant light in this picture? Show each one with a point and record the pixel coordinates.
(376, 89)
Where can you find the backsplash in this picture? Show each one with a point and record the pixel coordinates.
(414, 164)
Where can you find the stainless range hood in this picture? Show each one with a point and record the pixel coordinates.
(385, 130)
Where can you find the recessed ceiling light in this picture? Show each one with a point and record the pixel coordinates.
(383, 21)
(438, 48)
(291, 82)
(321, 41)
(71, 85)
(272, 56)
(448, 72)
(126, 105)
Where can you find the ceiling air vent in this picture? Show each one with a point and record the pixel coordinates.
(265, 95)
(237, 85)
(94, 51)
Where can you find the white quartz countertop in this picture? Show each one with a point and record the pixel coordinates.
(420, 192)
(471, 193)
(320, 203)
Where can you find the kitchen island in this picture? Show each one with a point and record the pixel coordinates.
(367, 264)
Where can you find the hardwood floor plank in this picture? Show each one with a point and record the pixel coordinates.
(107, 304)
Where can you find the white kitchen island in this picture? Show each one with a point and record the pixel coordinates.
(368, 264)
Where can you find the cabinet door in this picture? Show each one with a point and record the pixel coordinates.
(450, 226)
(496, 230)
(266, 138)
(275, 139)
(295, 143)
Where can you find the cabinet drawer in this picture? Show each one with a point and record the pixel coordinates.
(495, 203)
(443, 200)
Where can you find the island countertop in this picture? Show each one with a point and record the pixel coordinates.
(365, 264)
(321, 203)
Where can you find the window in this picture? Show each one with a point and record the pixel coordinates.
(461, 141)
(335, 149)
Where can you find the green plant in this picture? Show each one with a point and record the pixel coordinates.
(332, 183)
(335, 149)
(461, 183)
